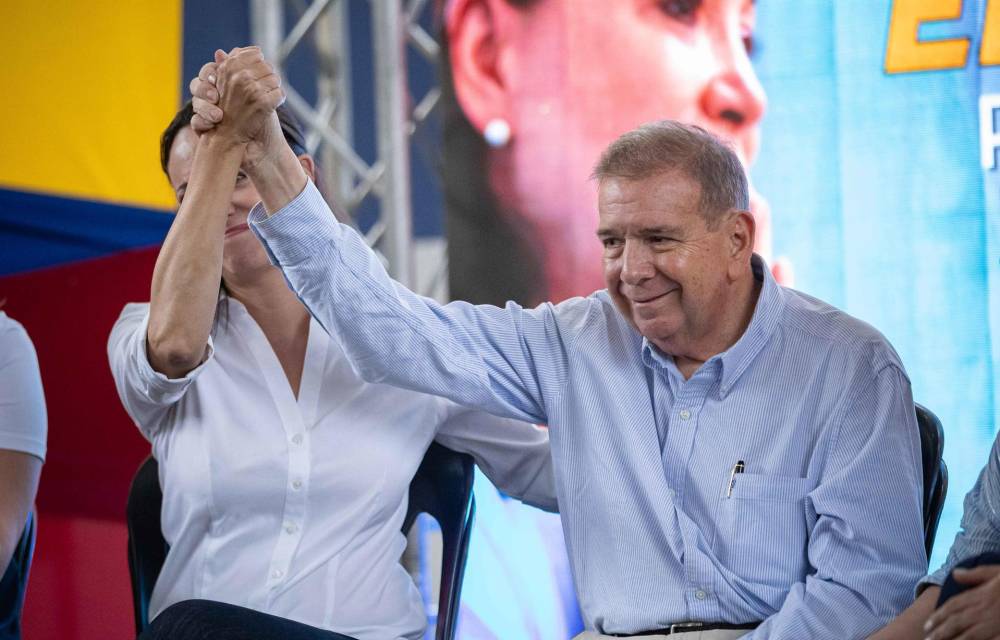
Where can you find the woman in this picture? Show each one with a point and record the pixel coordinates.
(534, 91)
(23, 429)
(284, 475)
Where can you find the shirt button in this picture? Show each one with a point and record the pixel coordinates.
(701, 595)
(277, 573)
(685, 414)
(291, 528)
(297, 438)
(296, 484)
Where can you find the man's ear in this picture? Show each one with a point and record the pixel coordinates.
(740, 232)
(474, 30)
(309, 165)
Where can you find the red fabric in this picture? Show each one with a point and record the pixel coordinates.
(93, 447)
(79, 587)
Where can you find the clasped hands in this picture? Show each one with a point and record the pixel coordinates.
(235, 98)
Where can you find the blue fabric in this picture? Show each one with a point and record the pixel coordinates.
(980, 532)
(40, 230)
(822, 535)
(13, 584)
(952, 587)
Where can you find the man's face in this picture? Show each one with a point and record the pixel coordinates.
(664, 267)
(581, 73)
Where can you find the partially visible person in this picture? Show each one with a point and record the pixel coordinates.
(534, 90)
(731, 455)
(285, 476)
(23, 430)
(961, 600)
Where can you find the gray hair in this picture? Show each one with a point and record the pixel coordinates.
(667, 145)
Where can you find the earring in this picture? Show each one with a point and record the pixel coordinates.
(497, 133)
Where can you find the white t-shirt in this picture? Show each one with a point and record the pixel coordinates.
(294, 506)
(23, 421)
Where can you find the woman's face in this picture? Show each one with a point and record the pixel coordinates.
(576, 74)
(242, 253)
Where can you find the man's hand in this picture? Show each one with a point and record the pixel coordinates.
(973, 614)
(236, 96)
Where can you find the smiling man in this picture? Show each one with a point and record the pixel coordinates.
(733, 458)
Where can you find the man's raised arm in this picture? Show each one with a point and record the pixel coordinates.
(510, 362)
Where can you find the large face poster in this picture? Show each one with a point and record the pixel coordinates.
(869, 131)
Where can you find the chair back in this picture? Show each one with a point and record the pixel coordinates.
(935, 472)
(14, 582)
(442, 488)
(146, 547)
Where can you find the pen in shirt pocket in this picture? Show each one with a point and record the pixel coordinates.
(737, 468)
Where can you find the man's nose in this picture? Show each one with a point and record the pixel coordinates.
(637, 265)
(733, 100)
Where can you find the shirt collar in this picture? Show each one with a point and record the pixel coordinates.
(735, 360)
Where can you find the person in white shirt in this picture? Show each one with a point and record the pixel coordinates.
(284, 475)
(22, 451)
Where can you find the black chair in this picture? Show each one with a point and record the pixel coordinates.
(14, 582)
(935, 472)
(442, 488)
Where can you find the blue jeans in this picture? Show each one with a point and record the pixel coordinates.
(950, 588)
(207, 620)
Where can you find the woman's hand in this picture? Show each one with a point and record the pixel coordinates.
(235, 97)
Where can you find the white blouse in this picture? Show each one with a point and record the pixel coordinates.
(294, 506)
(23, 421)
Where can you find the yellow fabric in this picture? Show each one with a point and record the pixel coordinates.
(88, 87)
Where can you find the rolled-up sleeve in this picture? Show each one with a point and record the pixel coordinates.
(507, 361)
(146, 394)
(866, 544)
(980, 530)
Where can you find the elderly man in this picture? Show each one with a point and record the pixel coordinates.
(733, 458)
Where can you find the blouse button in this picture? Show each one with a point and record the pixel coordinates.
(296, 484)
(297, 438)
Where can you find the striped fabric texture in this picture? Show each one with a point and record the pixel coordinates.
(980, 532)
(819, 537)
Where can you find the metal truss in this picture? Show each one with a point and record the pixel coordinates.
(329, 123)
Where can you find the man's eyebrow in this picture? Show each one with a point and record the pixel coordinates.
(659, 231)
(665, 230)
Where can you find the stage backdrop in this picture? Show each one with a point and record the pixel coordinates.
(869, 128)
(878, 157)
(876, 128)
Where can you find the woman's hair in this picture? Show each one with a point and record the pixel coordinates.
(290, 127)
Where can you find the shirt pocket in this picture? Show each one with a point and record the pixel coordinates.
(764, 529)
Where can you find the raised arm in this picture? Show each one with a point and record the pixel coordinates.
(866, 545)
(509, 361)
(188, 271)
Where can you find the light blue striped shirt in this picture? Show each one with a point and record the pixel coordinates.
(821, 536)
(980, 532)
